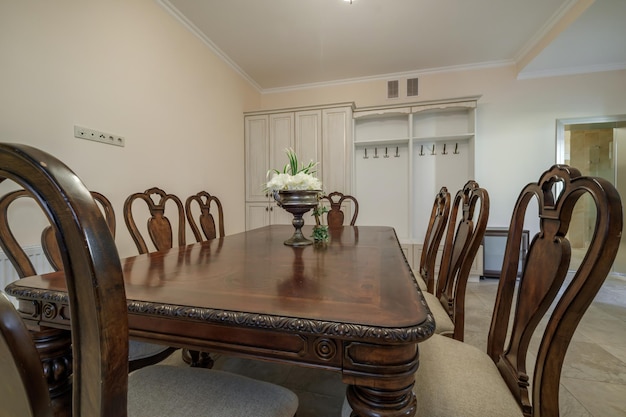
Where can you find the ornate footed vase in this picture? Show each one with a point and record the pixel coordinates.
(297, 202)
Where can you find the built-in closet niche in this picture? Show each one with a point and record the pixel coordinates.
(403, 155)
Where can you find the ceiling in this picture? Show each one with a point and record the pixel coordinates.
(285, 44)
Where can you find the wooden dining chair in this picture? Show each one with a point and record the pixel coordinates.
(206, 225)
(101, 384)
(434, 233)
(161, 233)
(159, 227)
(547, 304)
(467, 223)
(335, 216)
(140, 353)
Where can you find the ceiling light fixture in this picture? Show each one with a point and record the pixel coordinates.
(348, 1)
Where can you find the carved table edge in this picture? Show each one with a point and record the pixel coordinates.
(348, 331)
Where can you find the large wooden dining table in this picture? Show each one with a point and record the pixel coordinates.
(351, 305)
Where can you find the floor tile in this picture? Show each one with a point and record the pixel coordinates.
(600, 398)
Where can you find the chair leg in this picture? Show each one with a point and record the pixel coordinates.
(197, 359)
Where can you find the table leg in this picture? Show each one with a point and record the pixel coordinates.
(55, 350)
(366, 402)
(197, 359)
(380, 379)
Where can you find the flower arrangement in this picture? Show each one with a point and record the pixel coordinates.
(294, 176)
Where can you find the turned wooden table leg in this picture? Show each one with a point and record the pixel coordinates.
(370, 402)
(55, 350)
(380, 379)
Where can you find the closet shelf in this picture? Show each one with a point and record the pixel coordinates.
(381, 142)
(443, 138)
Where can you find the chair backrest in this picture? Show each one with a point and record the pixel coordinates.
(540, 286)
(15, 252)
(24, 390)
(93, 272)
(158, 225)
(436, 226)
(206, 220)
(335, 216)
(467, 223)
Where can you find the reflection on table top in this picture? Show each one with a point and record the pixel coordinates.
(359, 278)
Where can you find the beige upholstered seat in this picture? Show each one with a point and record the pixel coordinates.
(206, 220)
(447, 363)
(222, 394)
(467, 223)
(456, 379)
(99, 324)
(139, 353)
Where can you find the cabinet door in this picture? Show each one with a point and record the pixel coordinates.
(281, 216)
(257, 215)
(337, 149)
(281, 138)
(257, 148)
(308, 138)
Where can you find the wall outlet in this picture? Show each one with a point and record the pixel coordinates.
(98, 136)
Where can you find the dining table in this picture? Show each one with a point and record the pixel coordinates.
(350, 305)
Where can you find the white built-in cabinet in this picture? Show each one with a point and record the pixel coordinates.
(322, 134)
(403, 155)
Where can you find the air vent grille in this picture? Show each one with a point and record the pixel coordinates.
(392, 89)
(411, 87)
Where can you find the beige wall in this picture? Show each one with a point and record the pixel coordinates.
(129, 68)
(516, 118)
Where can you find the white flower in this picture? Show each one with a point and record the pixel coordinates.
(300, 181)
(294, 176)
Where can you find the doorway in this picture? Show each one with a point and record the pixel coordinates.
(597, 147)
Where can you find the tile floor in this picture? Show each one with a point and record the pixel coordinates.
(593, 377)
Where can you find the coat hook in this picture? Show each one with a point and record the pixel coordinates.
(365, 155)
(432, 152)
(375, 152)
(456, 149)
(386, 154)
(422, 150)
(397, 155)
(444, 150)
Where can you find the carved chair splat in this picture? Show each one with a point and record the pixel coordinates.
(206, 220)
(158, 225)
(335, 216)
(434, 233)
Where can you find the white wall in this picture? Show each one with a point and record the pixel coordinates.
(516, 119)
(129, 68)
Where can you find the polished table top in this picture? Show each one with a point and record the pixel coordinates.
(358, 284)
(352, 305)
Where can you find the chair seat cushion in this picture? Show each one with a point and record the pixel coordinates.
(141, 350)
(456, 379)
(420, 281)
(171, 391)
(443, 322)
